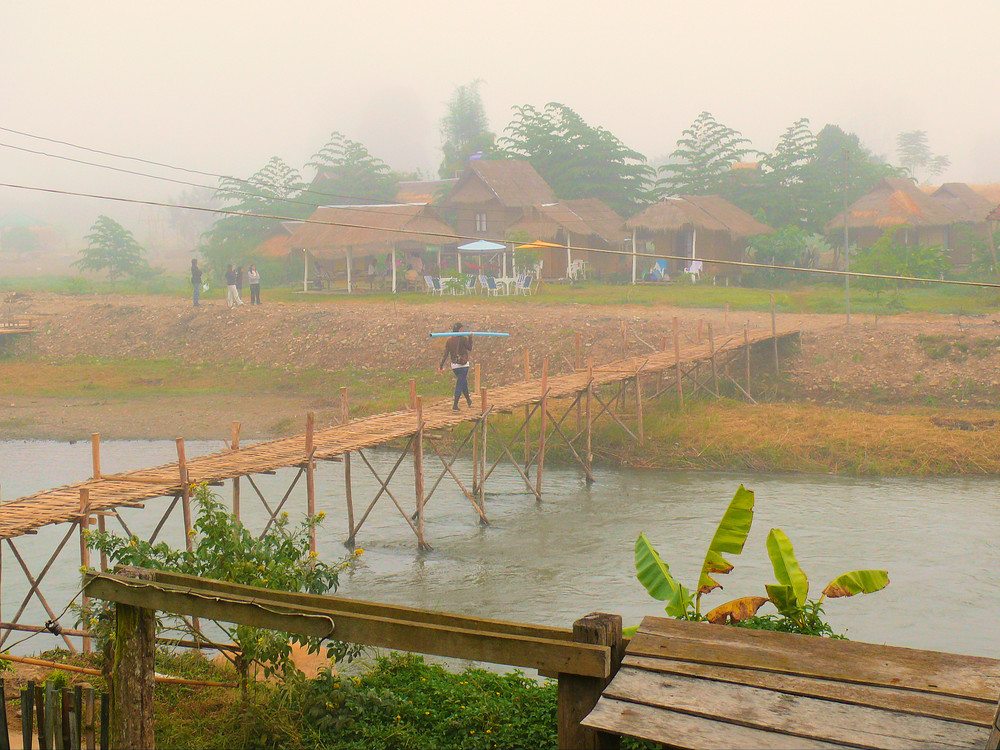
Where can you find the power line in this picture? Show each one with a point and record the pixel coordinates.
(368, 199)
(460, 237)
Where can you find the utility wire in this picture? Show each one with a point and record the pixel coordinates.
(460, 237)
(309, 191)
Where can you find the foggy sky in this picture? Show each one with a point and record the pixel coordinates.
(223, 86)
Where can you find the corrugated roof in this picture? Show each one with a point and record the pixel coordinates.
(707, 212)
(895, 201)
(369, 227)
(511, 182)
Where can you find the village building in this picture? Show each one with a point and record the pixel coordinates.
(391, 244)
(951, 216)
(689, 228)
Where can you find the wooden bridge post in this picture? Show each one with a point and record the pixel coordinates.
(578, 365)
(185, 493)
(483, 406)
(418, 471)
(95, 454)
(577, 695)
(311, 478)
(541, 428)
(638, 406)
(235, 445)
(132, 673)
(715, 369)
(590, 422)
(527, 413)
(348, 490)
(85, 554)
(774, 338)
(677, 363)
(746, 347)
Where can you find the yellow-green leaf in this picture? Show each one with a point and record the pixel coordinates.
(652, 572)
(857, 582)
(737, 610)
(783, 597)
(786, 567)
(730, 536)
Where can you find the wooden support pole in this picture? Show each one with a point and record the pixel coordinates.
(638, 406)
(348, 489)
(185, 494)
(541, 428)
(577, 365)
(418, 471)
(413, 394)
(85, 552)
(311, 478)
(484, 408)
(774, 338)
(659, 374)
(677, 364)
(578, 695)
(132, 673)
(746, 348)
(589, 455)
(235, 445)
(715, 369)
(95, 454)
(527, 433)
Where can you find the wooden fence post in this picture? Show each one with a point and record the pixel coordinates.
(185, 493)
(418, 471)
(132, 674)
(577, 695)
(541, 428)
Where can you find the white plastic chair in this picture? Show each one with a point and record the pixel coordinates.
(524, 285)
(694, 270)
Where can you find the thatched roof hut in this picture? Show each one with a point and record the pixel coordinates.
(895, 202)
(710, 213)
(507, 182)
(334, 233)
(695, 227)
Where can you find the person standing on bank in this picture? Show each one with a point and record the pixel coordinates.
(253, 279)
(457, 349)
(195, 279)
(232, 294)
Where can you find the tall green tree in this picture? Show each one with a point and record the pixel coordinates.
(465, 129)
(260, 203)
(578, 160)
(347, 173)
(786, 197)
(916, 158)
(702, 163)
(113, 248)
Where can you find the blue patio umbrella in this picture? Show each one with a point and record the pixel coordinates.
(479, 247)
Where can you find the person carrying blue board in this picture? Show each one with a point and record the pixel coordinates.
(457, 349)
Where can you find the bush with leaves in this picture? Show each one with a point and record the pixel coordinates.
(113, 248)
(225, 550)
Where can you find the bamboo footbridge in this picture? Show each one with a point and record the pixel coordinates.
(107, 492)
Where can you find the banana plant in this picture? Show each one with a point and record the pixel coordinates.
(729, 538)
(791, 592)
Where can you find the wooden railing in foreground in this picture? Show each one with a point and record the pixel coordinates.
(584, 658)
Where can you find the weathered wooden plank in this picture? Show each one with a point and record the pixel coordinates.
(360, 606)
(263, 611)
(792, 715)
(678, 730)
(907, 701)
(850, 661)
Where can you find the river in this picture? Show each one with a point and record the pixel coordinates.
(554, 561)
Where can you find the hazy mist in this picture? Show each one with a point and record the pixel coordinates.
(223, 86)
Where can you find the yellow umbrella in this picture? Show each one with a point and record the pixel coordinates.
(538, 245)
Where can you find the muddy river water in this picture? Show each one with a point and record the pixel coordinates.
(554, 561)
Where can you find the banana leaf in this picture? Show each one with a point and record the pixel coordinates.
(857, 582)
(730, 536)
(786, 567)
(783, 597)
(737, 610)
(654, 575)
